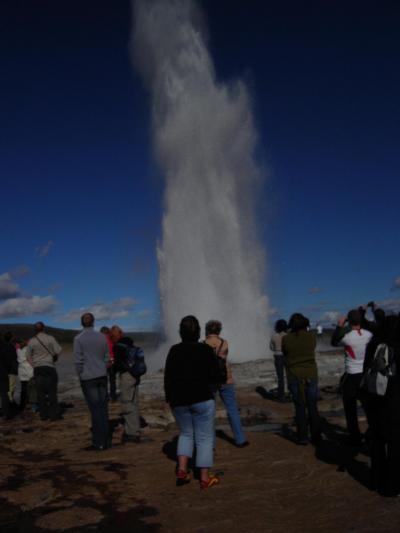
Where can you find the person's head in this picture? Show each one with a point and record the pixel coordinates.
(298, 322)
(213, 327)
(379, 315)
(189, 329)
(354, 318)
(38, 327)
(87, 320)
(281, 325)
(8, 336)
(116, 333)
(105, 330)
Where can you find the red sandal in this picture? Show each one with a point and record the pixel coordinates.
(182, 477)
(211, 481)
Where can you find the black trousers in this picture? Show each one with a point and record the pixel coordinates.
(351, 393)
(112, 381)
(279, 361)
(46, 385)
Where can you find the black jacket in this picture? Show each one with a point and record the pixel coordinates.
(191, 374)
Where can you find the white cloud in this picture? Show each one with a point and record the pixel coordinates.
(27, 306)
(102, 311)
(44, 250)
(144, 314)
(396, 283)
(8, 289)
(314, 290)
(392, 304)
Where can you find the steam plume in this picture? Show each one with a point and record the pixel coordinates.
(211, 264)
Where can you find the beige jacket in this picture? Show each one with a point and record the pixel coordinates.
(41, 349)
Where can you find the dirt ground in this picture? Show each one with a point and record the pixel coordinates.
(48, 481)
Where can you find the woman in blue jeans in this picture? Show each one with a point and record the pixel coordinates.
(227, 390)
(190, 376)
(298, 347)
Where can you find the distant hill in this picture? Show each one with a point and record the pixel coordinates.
(66, 336)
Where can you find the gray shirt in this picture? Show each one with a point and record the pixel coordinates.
(91, 354)
(41, 350)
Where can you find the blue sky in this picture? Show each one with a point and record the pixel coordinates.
(82, 195)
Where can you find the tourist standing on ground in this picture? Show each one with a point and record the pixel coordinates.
(42, 351)
(190, 376)
(11, 360)
(226, 390)
(112, 375)
(128, 385)
(91, 356)
(298, 347)
(383, 413)
(279, 359)
(4, 381)
(355, 340)
(25, 373)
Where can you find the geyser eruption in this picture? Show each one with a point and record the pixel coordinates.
(210, 262)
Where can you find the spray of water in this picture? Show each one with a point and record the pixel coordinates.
(210, 262)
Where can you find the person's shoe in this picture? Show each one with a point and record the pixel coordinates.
(93, 448)
(210, 482)
(182, 478)
(243, 444)
(130, 438)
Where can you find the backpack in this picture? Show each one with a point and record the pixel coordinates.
(134, 361)
(381, 368)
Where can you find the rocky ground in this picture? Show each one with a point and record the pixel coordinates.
(48, 481)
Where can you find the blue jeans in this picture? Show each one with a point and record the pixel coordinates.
(196, 426)
(95, 393)
(279, 361)
(228, 397)
(305, 394)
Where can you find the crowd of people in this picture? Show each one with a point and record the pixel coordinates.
(371, 344)
(196, 372)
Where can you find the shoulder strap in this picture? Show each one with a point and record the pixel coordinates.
(44, 346)
(220, 347)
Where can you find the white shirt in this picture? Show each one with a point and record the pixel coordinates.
(355, 343)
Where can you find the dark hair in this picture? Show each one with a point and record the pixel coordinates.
(38, 327)
(298, 322)
(281, 325)
(105, 330)
(354, 317)
(189, 329)
(87, 320)
(213, 327)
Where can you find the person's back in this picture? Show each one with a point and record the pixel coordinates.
(355, 343)
(9, 355)
(91, 357)
(299, 350)
(91, 354)
(43, 350)
(276, 342)
(190, 371)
